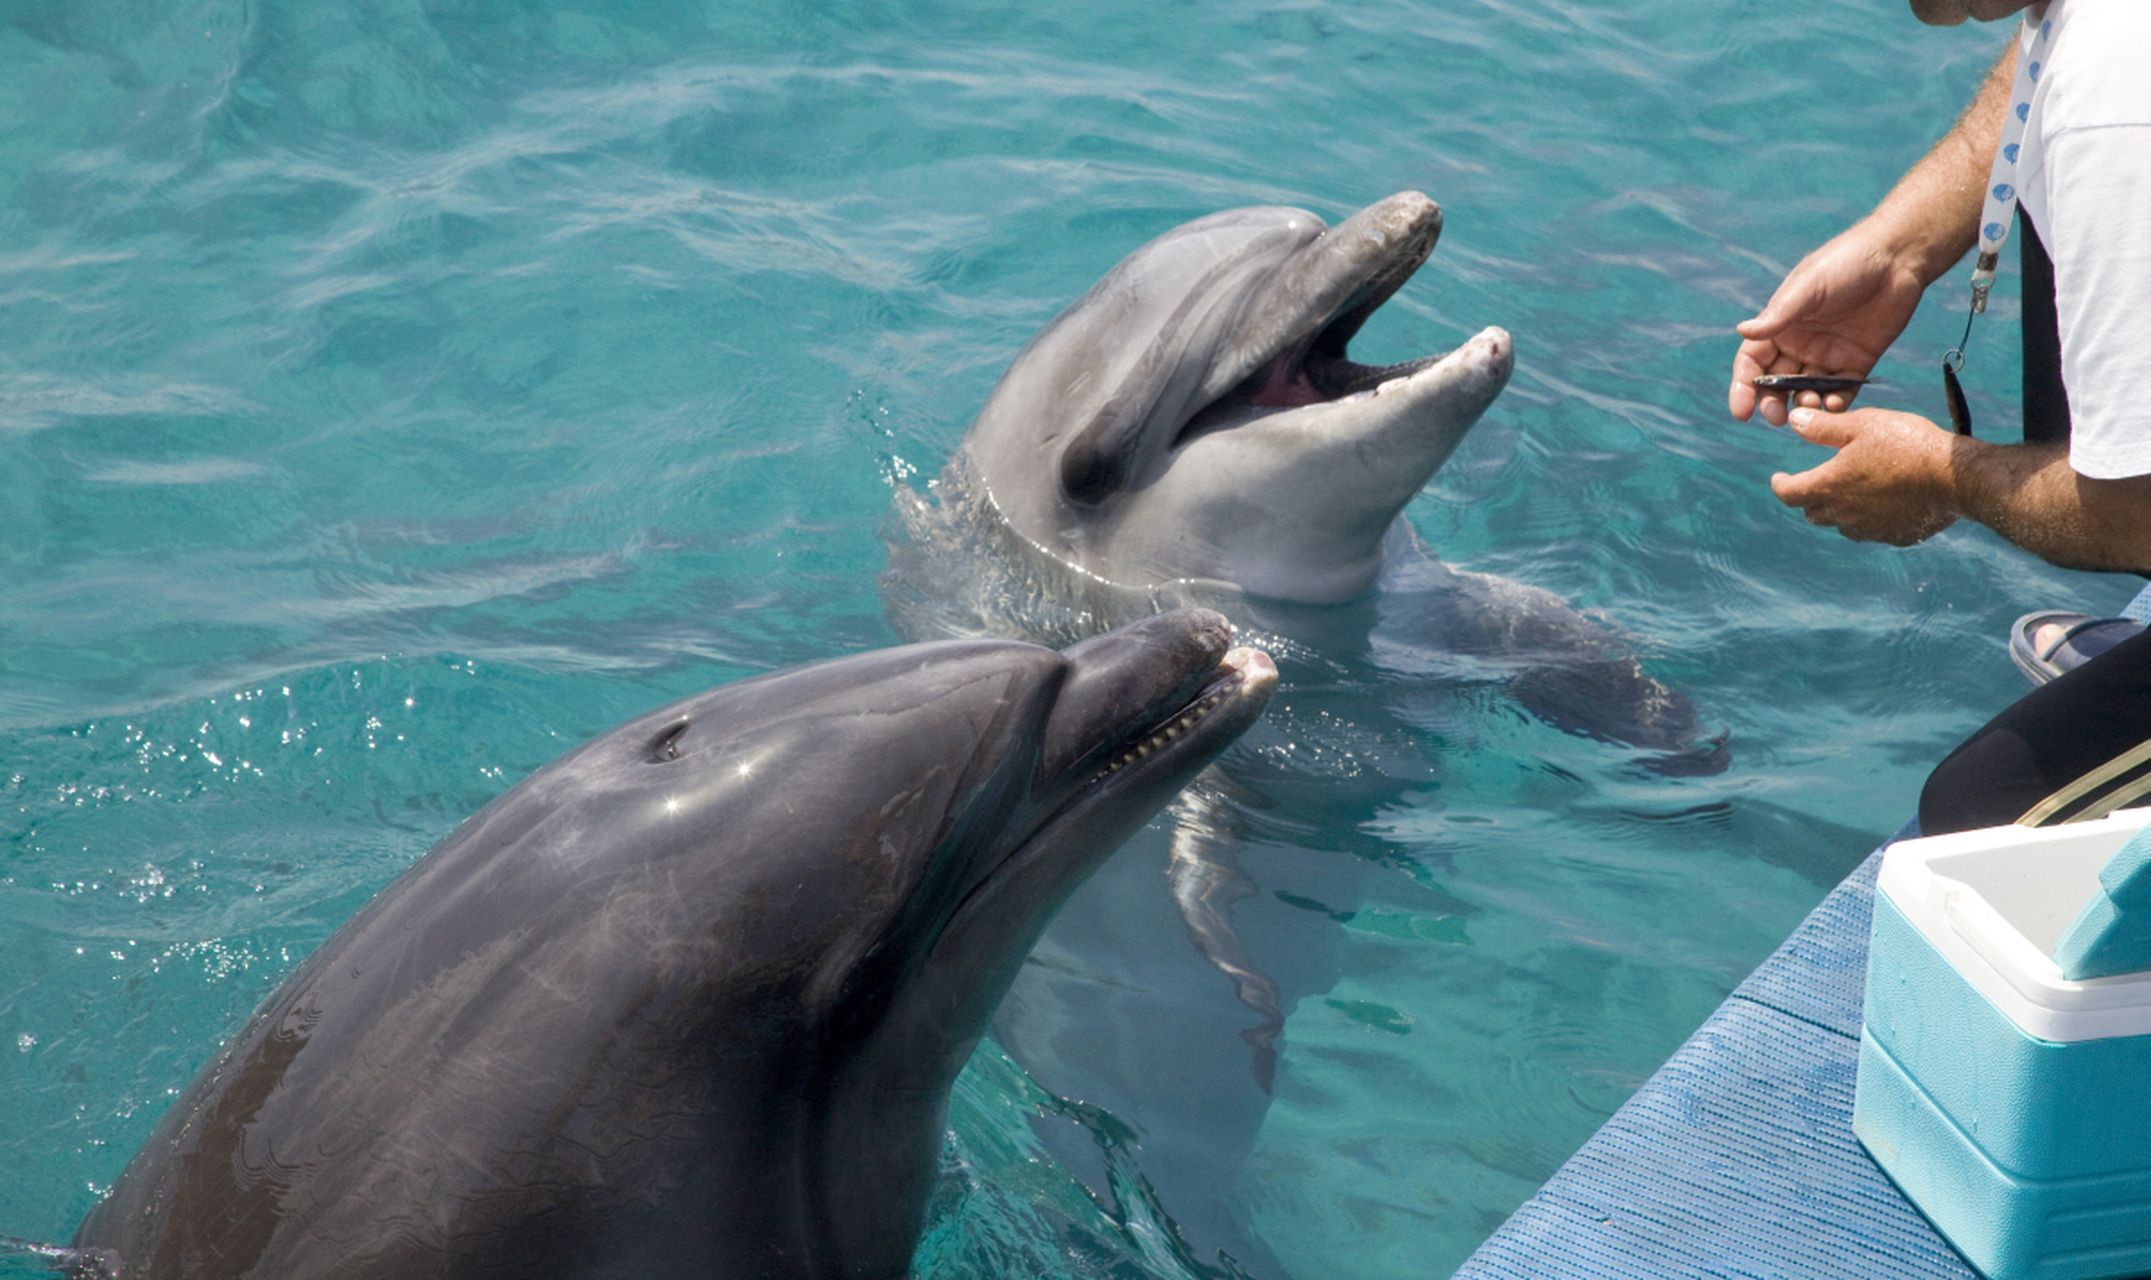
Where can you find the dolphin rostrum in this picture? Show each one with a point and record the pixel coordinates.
(689, 1000)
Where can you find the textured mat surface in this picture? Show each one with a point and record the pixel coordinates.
(1737, 1158)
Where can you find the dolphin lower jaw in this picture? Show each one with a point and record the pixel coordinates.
(1296, 503)
(1419, 410)
(1341, 379)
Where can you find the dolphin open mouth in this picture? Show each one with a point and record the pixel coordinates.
(1313, 375)
(1222, 323)
(1319, 301)
(1197, 414)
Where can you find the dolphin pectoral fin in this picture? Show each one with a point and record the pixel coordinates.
(1566, 669)
(1206, 880)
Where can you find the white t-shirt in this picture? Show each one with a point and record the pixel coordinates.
(2084, 176)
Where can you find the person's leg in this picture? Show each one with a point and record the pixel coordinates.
(2075, 748)
(2047, 642)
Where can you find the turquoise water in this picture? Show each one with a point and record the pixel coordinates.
(393, 394)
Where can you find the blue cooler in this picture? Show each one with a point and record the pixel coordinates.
(2006, 1092)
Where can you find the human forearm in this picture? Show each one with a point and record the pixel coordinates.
(1930, 219)
(2029, 495)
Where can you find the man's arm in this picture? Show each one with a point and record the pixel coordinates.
(2031, 496)
(1900, 479)
(1930, 219)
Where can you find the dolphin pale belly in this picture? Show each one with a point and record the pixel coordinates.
(689, 1000)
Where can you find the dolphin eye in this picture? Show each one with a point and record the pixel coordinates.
(1089, 474)
(665, 747)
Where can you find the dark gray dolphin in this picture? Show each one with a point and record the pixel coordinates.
(690, 999)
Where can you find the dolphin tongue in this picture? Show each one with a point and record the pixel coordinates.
(1285, 384)
(1299, 377)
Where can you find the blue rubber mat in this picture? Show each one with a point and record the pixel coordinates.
(1737, 1158)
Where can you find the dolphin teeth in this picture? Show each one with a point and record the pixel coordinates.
(1187, 719)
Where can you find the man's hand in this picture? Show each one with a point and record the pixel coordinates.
(1900, 479)
(1834, 314)
(1890, 480)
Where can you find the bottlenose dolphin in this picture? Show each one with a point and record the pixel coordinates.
(1193, 430)
(1195, 416)
(689, 1000)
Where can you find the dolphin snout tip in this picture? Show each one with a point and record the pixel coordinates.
(1413, 212)
(1258, 673)
(1414, 204)
(1214, 629)
(1409, 218)
(1208, 630)
(1494, 345)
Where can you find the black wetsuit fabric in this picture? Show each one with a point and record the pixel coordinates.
(2067, 750)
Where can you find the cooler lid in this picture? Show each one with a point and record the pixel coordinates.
(1996, 902)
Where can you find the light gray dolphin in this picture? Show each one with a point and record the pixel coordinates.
(1195, 416)
(1192, 430)
(688, 1001)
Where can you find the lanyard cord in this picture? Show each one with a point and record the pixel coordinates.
(2001, 203)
